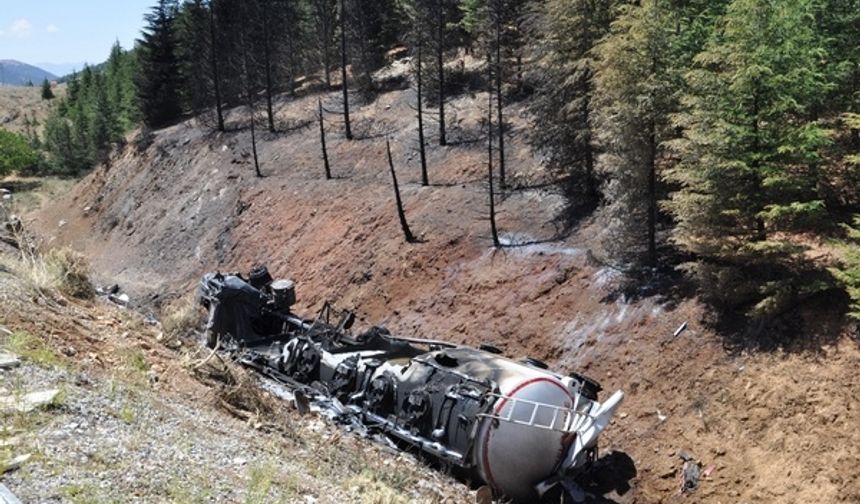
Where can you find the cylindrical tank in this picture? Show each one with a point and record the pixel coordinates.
(521, 444)
(283, 293)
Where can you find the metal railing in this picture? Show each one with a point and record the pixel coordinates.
(572, 418)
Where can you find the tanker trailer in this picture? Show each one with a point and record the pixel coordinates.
(514, 425)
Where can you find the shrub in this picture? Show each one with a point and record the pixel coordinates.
(72, 272)
(56, 271)
(16, 154)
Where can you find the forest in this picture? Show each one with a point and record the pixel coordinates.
(716, 139)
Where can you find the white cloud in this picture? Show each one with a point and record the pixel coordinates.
(52, 28)
(21, 28)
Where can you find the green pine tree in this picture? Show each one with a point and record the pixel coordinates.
(564, 33)
(47, 92)
(848, 272)
(158, 82)
(636, 83)
(749, 154)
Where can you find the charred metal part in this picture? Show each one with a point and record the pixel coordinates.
(517, 426)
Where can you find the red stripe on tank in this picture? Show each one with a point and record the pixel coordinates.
(498, 409)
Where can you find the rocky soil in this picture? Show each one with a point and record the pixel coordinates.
(133, 421)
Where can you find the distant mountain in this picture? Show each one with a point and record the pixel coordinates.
(15, 73)
(61, 69)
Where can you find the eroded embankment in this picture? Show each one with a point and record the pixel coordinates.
(769, 426)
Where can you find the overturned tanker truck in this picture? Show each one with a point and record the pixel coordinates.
(516, 426)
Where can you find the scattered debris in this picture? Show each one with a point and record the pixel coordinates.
(691, 472)
(681, 328)
(107, 291)
(27, 402)
(121, 299)
(112, 293)
(8, 360)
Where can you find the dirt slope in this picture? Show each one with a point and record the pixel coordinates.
(776, 425)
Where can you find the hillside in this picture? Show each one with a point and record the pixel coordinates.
(19, 104)
(16, 73)
(771, 420)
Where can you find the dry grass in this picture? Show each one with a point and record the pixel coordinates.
(18, 101)
(60, 271)
(181, 319)
(31, 193)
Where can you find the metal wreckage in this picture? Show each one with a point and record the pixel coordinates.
(514, 425)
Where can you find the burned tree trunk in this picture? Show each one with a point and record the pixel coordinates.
(493, 230)
(424, 178)
(216, 79)
(254, 141)
(348, 130)
(267, 56)
(322, 142)
(652, 197)
(407, 233)
(249, 93)
(440, 64)
(501, 127)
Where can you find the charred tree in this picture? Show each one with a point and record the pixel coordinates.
(267, 56)
(407, 233)
(421, 150)
(322, 141)
(501, 127)
(440, 68)
(493, 230)
(346, 125)
(249, 92)
(213, 61)
(652, 196)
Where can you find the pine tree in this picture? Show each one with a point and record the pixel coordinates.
(58, 144)
(105, 125)
(194, 51)
(158, 82)
(635, 90)
(847, 273)
(564, 33)
(47, 92)
(98, 108)
(838, 23)
(749, 154)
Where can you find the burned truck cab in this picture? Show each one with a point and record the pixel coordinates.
(514, 425)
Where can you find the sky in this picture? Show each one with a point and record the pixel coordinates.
(67, 32)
